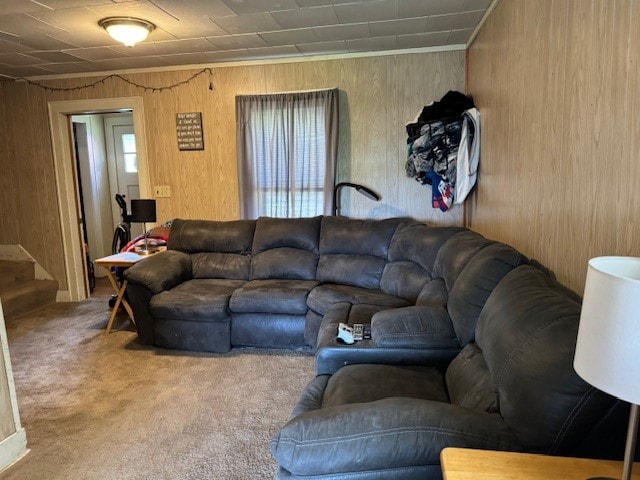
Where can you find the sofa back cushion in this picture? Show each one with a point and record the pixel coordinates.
(527, 332)
(412, 255)
(218, 249)
(285, 248)
(354, 252)
(475, 283)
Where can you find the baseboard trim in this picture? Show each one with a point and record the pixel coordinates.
(12, 449)
(63, 296)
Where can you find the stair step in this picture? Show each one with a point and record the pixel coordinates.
(16, 271)
(21, 298)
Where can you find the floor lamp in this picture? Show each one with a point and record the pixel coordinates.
(143, 211)
(361, 189)
(609, 337)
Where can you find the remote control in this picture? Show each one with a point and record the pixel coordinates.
(358, 331)
(345, 333)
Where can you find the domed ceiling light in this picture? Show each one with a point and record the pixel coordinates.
(127, 30)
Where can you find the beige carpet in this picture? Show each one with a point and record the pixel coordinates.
(103, 407)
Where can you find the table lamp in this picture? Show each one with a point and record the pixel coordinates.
(608, 348)
(143, 211)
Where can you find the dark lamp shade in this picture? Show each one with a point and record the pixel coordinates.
(143, 210)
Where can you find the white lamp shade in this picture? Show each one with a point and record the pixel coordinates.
(608, 348)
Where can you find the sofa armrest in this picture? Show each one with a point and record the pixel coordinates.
(160, 272)
(414, 327)
(389, 433)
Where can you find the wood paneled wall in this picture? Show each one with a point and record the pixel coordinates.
(378, 95)
(557, 83)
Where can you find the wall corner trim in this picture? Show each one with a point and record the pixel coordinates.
(476, 31)
(12, 449)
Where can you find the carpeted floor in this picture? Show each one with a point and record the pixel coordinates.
(103, 407)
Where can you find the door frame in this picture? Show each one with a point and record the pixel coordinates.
(66, 183)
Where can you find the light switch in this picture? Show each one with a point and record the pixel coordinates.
(162, 191)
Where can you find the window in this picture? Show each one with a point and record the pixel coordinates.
(287, 146)
(129, 153)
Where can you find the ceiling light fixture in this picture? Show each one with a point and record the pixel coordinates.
(127, 30)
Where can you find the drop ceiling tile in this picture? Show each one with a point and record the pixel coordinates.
(55, 57)
(206, 57)
(20, 6)
(143, 62)
(469, 5)
(236, 42)
(422, 40)
(43, 42)
(398, 27)
(372, 44)
(343, 32)
(454, 21)
(249, 23)
(323, 48)
(422, 8)
(10, 47)
(367, 11)
(18, 72)
(315, 3)
(189, 27)
(290, 37)
(306, 17)
(69, 67)
(273, 52)
(19, 59)
(257, 6)
(93, 54)
(460, 36)
(164, 48)
(183, 9)
(59, 4)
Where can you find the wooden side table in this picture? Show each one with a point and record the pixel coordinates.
(470, 464)
(124, 260)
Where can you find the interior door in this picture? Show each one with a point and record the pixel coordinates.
(123, 163)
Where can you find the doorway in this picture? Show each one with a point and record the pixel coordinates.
(69, 204)
(106, 164)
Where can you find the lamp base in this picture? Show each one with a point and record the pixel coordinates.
(150, 250)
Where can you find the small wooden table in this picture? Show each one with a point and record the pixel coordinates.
(470, 464)
(124, 260)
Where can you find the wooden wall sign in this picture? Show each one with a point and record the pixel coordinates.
(189, 130)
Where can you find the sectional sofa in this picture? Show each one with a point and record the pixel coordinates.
(472, 345)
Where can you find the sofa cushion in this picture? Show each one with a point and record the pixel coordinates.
(354, 252)
(220, 265)
(299, 233)
(475, 283)
(412, 254)
(413, 327)
(381, 438)
(285, 248)
(368, 383)
(193, 236)
(527, 332)
(342, 235)
(468, 381)
(434, 294)
(284, 262)
(455, 253)
(323, 296)
(357, 270)
(203, 300)
(272, 296)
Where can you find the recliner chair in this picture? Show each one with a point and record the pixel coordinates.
(512, 388)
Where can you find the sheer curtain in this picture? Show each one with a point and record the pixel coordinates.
(287, 146)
